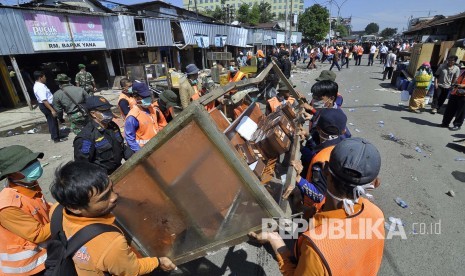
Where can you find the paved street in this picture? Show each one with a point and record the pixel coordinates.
(421, 179)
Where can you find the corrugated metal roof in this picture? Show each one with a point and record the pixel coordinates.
(158, 32)
(120, 32)
(237, 36)
(190, 28)
(14, 37)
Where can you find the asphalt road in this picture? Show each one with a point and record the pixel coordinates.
(433, 221)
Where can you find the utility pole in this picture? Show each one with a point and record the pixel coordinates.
(330, 5)
(290, 28)
(285, 26)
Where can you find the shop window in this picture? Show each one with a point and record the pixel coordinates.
(140, 33)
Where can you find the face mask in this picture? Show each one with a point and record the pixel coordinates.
(194, 82)
(319, 104)
(146, 102)
(130, 90)
(32, 172)
(107, 117)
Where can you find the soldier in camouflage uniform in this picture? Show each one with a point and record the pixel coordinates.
(61, 102)
(85, 80)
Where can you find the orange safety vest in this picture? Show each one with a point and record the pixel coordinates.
(360, 50)
(197, 96)
(169, 111)
(239, 76)
(132, 102)
(275, 103)
(321, 157)
(460, 80)
(19, 256)
(349, 256)
(148, 124)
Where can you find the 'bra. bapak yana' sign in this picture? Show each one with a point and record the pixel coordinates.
(58, 32)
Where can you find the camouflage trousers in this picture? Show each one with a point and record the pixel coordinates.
(78, 122)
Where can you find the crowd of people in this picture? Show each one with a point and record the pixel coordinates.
(334, 173)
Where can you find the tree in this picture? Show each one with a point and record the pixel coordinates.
(265, 12)
(243, 13)
(342, 29)
(372, 28)
(314, 22)
(217, 13)
(254, 15)
(388, 32)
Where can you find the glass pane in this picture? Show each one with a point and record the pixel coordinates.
(185, 196)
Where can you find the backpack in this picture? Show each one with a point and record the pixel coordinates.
(60, 251)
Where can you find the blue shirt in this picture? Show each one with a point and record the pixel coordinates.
(130, 128)
(308, 189)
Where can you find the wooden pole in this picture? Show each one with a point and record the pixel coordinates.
(21, 81)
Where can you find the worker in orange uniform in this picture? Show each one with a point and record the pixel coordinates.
(188, 88)
(126, 100)
(353, 166)
(144, 121)
(310, 189)
(282, 98)
(24, 213)
(86, 197)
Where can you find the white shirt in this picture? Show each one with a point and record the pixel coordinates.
(383, 49)
(390, 60)
(373, 49)
(42, 93)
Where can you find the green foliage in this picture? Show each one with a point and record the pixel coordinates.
(254, 15)
(314, 22)
(372, 28)
(343, 31)
(265, 12)
(388, 32)
(281, 16)
(243, 13)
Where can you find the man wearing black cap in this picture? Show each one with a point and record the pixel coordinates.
(144, 121)
(352, 169)
(188, 88)
(330, 128)
(24, 213)
(101, 142)
(71, 99)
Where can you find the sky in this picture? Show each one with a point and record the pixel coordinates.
(386, 13)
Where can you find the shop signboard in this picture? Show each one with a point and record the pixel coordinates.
(220, 40)
(203, 41)
(57, 32)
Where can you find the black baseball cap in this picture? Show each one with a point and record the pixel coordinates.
(97, 103)
(332, 121)
(355, 161)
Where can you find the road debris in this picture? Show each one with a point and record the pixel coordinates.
(450, 193)
(400, 202)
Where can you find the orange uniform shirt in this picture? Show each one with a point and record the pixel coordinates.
(107, 252)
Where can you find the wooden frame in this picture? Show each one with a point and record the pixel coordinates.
(197, 113)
